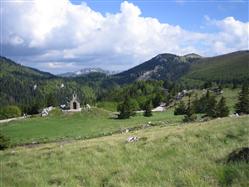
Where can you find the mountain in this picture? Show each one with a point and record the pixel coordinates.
(86, 71)
(10, 68)
(162, 67)
(191, 67)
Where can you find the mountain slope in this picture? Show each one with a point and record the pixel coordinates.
(225, 68)
(162, 67)
(8, 67)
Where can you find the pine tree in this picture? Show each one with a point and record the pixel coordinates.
(148, 107)
(243, 101)
(222, 109)
(190, 115)
(127, 108)
(211, 107)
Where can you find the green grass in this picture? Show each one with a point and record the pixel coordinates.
(84, 125)
(108, 105)
(175, 155)
(81, 125)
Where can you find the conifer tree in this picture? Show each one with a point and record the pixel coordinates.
(190, 115)
(222, 109)
(148, 107)
(211, 107)
(243, 101)
(127, 108)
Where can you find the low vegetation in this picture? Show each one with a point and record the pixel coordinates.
(10, 112)
(174, 155)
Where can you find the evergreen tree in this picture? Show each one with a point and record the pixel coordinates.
(148, 107)
(242, 107)
(211, 107)
(180, 109)
(127, 108)
(190, 115)
(222, 109)
(51, 100)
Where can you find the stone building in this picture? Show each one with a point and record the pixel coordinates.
(74, 103)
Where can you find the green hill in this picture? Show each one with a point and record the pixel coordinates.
(225, 68)
(10, 68)
(194, 154)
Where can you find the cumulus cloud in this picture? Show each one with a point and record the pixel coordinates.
(50, 33)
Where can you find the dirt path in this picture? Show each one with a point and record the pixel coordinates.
(12, 119)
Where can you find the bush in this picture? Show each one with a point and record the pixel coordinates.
(180, 109)
(10, 112)
(4, 142)
(190, 118)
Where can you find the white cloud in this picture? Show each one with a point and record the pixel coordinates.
(59, 32)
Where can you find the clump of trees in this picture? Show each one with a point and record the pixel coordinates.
(10, 112)
(242, 107)
(206, 104)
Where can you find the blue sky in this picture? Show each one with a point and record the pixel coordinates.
(65, 35)
(187, 14)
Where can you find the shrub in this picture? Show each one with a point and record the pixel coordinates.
(4, 142)
(190, 118)
(10, 112)
(180, 109)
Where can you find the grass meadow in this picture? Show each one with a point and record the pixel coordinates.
(192, 154)
(83, 125)
(87, 124)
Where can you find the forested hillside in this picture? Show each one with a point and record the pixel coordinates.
(233, 67)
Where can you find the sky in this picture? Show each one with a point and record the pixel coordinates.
(66, 35)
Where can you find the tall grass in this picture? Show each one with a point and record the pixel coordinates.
(176, 155)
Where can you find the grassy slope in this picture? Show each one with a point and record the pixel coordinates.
(233, 66)
(86, 124)
(176, 155)
(75, 126)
